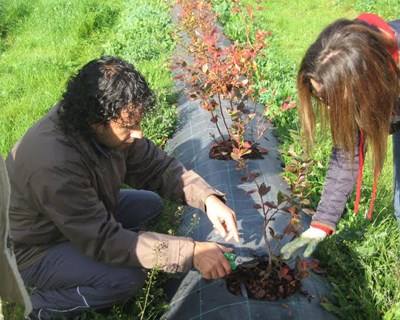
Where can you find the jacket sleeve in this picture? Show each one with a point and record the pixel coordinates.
(64, 194)
(151, 168)
(339, 184)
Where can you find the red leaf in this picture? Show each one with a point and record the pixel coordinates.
(292, 211)
(179, 77)
(270, 205)
(252, 176)
(236, 151)
(235, 156)
(287, 105)
(247, 145)
(263, 90)
(293, 227)
(310, 264)
(214, 119)
(257, 206)
(283, 271)
(302, 265)
(271, 232)
(274, 235)
(262, 150)
(250, 11)
(263, 189)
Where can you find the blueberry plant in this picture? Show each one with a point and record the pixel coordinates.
(220, 73)
(272, 278)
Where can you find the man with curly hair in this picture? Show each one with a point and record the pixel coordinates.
(77, 235)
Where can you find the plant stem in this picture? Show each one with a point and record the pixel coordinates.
(266, 222)
(223, 116)
(152, 273)
(231, 104)
(219, 130)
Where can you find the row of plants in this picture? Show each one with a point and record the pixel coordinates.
(362, 259)
(222, 77)
(220, 73)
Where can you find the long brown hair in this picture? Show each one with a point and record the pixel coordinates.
(359, 86)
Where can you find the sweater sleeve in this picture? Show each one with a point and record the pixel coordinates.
(339, 184)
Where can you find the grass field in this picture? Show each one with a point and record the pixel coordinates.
(363, 258)
(44, 42)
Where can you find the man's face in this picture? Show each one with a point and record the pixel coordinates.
(118, 133)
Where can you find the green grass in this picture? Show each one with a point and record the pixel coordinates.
(363, 258)
(43, 42)
(145, 37)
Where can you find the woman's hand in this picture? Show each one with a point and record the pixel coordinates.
(309, 239)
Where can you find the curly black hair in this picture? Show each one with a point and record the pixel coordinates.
(100, 91)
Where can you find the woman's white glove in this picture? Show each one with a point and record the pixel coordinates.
(309, 238)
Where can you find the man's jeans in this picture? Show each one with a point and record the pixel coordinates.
(66, 283)
(396, 173)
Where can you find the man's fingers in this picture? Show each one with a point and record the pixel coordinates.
(226, 265)
(214, 274)
(229, 237)
(218, 225)
(232, 227)
(207, 275)
(221, 271)
(224, 249)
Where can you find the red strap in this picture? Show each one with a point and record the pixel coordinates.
(360, 172)
(375, 20)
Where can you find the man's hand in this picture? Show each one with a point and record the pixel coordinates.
(222, 217)
(309, 239)
(209, 259)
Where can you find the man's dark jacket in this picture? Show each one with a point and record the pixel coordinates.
(65, 188)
